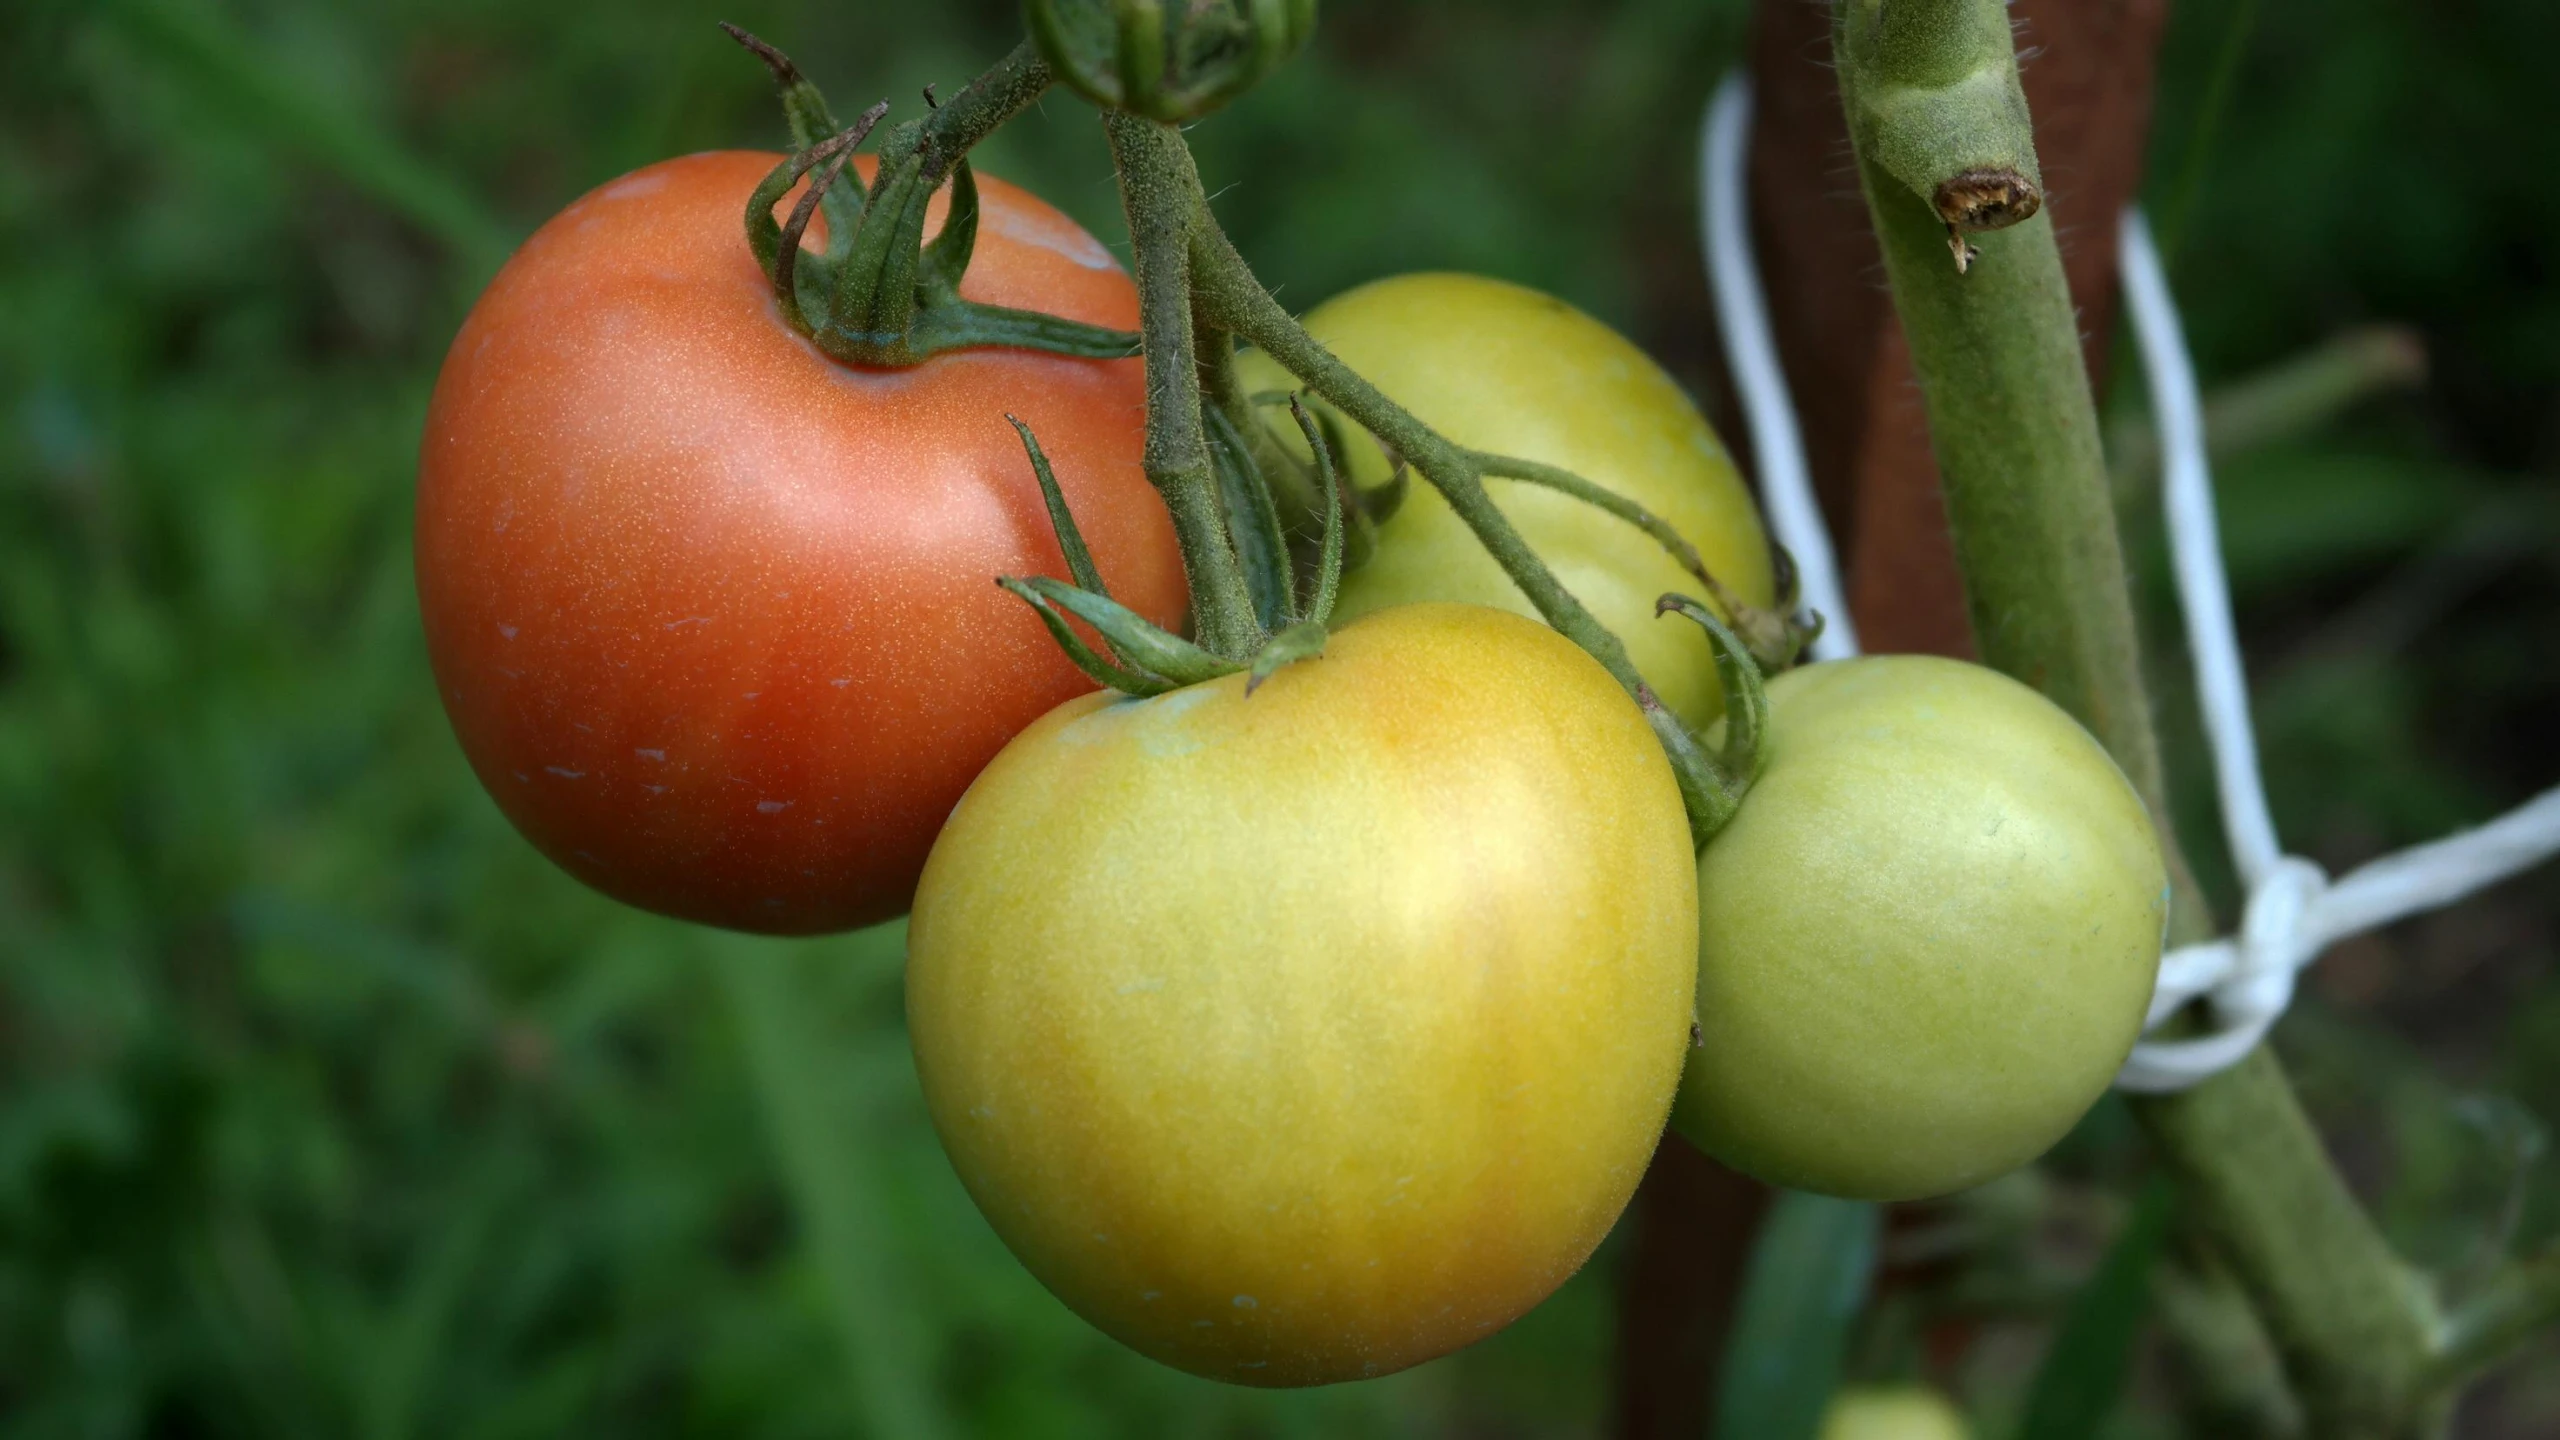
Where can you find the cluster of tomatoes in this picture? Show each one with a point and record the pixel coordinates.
(1290, 1034)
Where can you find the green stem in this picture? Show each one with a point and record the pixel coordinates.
(955, 127)
(1773, 637)
(1564, 482)
(1161, 190)
(1226, 288)
(875, 295)
(2351, 1322)
(1229, 290)
(1998, 354)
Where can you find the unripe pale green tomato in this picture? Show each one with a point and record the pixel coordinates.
(1497, 367)
(1900, 1412)
(1927, 940)
(1307, 1035)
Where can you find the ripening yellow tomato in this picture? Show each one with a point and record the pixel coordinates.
(1501, 368)
(1927, 940)
(1306, 1035)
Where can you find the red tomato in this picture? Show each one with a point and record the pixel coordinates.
(713, 614)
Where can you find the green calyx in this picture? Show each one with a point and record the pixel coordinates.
(1933, 100)
(878, 295)
(1714, 785)
(1167, 60)
(1259, 600)
(1139, 657)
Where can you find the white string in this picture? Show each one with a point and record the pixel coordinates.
(2204, 593)
(2294, 911)
(1786, 491)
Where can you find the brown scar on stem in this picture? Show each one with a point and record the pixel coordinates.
(1984, 198)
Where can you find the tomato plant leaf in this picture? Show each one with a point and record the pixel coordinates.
(787, 255)
(805, 107)
(2083, 1374)
(1806, 1281)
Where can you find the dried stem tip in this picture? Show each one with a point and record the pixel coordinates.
(1992, 198)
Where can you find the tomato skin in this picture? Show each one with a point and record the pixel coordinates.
(1900, 1412)
(1502, 368)
(713, 614)
(1307, 1036)
(1926, 941)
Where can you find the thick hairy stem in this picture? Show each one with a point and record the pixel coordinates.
(1932, 95)
(1162, 193)
(2353, 1325)
(1235, 300)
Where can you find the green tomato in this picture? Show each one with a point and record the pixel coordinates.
(1901, 1412)
(1500, 368)
(1926, 942)
(1307, 1035)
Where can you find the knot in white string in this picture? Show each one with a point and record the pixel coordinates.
(2248, 981)
(2275, 943)
(2294, 911)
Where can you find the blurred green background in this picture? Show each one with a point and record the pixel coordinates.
(328, 1108)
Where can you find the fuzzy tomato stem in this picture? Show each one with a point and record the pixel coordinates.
(1161, 191)
(1932, 94)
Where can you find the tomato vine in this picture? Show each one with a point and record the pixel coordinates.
(1946, 154)
(1207, 454)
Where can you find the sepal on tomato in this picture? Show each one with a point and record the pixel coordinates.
(1101, 670)
(1715, 780)
(776, 246)
(1061, 519)
(1746, 700)
(1253, 521)
(1167, 60)
(1302, 641)
(1146, 659)
(878, 295)
(1336, 522)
